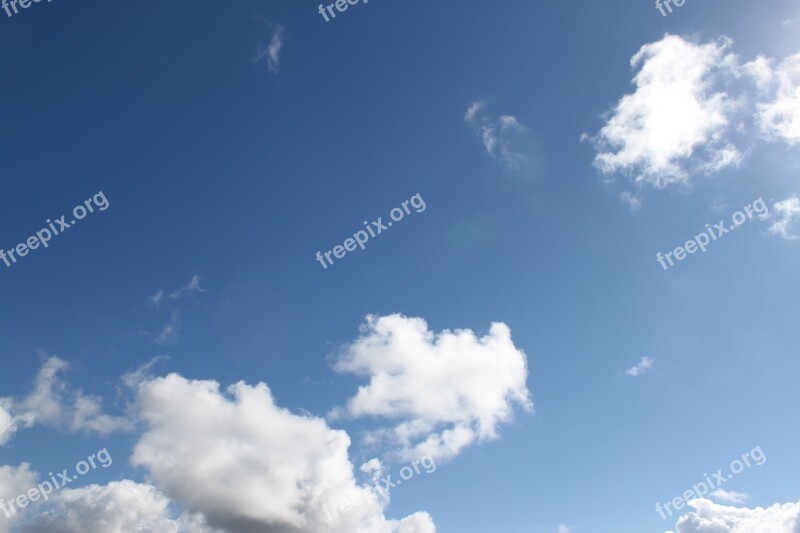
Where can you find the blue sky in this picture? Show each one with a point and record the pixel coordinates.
(233, 141)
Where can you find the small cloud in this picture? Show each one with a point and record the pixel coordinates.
(788, 212)
(564, 529)
(189, 288)
(134, 377)
(643, 366)
(169, 333)
(472, 111)
(632, 200)
(502, 137)
(729, 496)
(155, 300)
(790, 22)
(271, 53)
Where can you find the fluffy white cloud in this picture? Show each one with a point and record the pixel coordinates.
(676, 120)
(14, 480)
(119, 507)
(710, 517)
(787, 213)
(644, 365)
(779, 118)
(443, 391)
(55, 403)
(502, 137)
(247, 465)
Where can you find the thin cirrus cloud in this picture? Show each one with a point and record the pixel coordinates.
(710, 517)
(787, 218)
(696, 110)
(439, 392)
(729, 496)
(191, 287)
(504, 137)
(271, 52)
(169, 332)
(643, 366)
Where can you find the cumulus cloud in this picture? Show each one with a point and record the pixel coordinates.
(729, 496)
(787, 213)
(503, 137)
(676, 120)
(709, 517)
(696, 109)
(779, 117)
(564, 529)
(442, 391)
(119, 507)
(272, 471)
(14, 480)
(641, 367)
(55, 403)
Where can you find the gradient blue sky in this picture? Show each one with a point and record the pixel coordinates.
(216, 166)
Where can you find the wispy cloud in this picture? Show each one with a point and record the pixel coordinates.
(271, 53)
(729, 496)
(787, 213)
(502, 137)
(193, 286)
(645, 365)
(169, 333)
(55, 403)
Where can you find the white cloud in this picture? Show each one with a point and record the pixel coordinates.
(54, 403)
(564, 529)
(155, 300)
(676, 121)
(710, 517)
(169, 333)
(779, 118)
(632, 200)
(193, 286)
(443, 391)
(7, 423)
(119, 507)
(13, 482)
(788, 214)
(272, 471)
(641, 367)
(729, 496)
(271, 54)
(502, 137)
